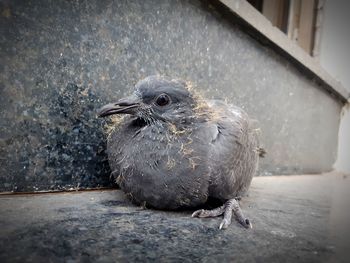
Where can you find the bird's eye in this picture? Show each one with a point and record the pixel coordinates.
(163, 100)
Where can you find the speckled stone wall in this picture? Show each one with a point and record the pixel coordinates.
(61, 60)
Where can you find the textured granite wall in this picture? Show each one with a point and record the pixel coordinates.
(61, 60)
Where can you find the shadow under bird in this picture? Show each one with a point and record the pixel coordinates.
(173, 150)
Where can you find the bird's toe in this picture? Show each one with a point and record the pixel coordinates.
(209, 213)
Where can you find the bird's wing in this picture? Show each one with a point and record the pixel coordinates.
(233, 150)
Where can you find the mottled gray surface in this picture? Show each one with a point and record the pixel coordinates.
(293, 221)
(61, 60)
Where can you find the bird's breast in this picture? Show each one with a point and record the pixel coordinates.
(160, 167)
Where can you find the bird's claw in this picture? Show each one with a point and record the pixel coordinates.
(197, 213)
(246, 223)
(224, 224)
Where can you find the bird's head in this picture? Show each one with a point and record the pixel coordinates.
(156, 99)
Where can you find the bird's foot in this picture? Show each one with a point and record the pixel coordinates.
(230, 206)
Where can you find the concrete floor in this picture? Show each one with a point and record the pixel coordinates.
(295, 219)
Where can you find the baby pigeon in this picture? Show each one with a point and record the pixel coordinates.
(172, 149)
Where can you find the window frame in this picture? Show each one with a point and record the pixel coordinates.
(263, 29)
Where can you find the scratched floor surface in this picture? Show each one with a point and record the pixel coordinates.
(295, 219)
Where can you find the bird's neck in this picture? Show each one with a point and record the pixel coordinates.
(176, 126)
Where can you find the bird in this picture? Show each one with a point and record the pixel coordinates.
(172, 149)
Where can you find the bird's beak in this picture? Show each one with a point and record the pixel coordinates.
(123, 106)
